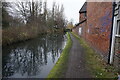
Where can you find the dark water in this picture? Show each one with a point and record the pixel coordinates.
(33, 58)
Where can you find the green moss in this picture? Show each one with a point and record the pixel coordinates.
(60, 67)
(95, 63)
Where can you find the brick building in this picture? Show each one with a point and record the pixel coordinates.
(99, 25)
(79, 28)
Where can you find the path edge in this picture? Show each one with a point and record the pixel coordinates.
(58, 71)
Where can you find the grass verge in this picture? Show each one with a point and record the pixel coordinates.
(96, 65)
(60, 67)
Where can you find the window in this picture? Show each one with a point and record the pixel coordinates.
(88, 31)
(118, 28)
(80, 31)
(85, 14)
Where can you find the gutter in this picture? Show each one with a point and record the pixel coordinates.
(111, 36)
(83, 12)
(81, 22)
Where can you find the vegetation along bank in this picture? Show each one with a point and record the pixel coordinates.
(60, 67)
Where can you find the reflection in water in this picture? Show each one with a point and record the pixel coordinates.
(34, 58)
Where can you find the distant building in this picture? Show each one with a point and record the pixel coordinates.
(99, 25)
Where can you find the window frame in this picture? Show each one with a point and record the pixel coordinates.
(80, 30)
(118, 29)
(118, 23)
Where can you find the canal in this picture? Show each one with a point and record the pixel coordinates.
(33, 58)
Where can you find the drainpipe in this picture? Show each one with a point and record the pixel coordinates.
(112, 38)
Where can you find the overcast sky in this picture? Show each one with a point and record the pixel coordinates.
(71, 7)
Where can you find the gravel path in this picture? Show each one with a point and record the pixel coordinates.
(76, 63)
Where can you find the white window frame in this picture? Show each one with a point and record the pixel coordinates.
(118, 29)
(80, 30)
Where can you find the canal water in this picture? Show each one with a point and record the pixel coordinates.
(33, 58)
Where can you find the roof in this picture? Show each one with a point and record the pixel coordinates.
(84, 8)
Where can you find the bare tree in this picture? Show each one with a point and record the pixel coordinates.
(36, 13)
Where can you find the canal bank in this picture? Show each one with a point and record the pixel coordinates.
(72, 63)
(21, 34)
(33, 58)
(59, 70)
(81, 61)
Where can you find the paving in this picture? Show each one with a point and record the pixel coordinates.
(76, 62)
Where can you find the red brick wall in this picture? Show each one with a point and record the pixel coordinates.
(83, 25)
(99, 20)
(75, 30)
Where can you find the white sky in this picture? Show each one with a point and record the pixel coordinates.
(71, 8)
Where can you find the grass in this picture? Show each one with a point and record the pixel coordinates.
(96, 65)
(60, 67)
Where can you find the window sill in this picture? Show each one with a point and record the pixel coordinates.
(117, 36)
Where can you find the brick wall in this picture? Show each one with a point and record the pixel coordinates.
(97, 29)
(83, 25)
(76, 30)
(99, 23)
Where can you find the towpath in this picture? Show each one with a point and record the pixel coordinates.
(76, 62)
